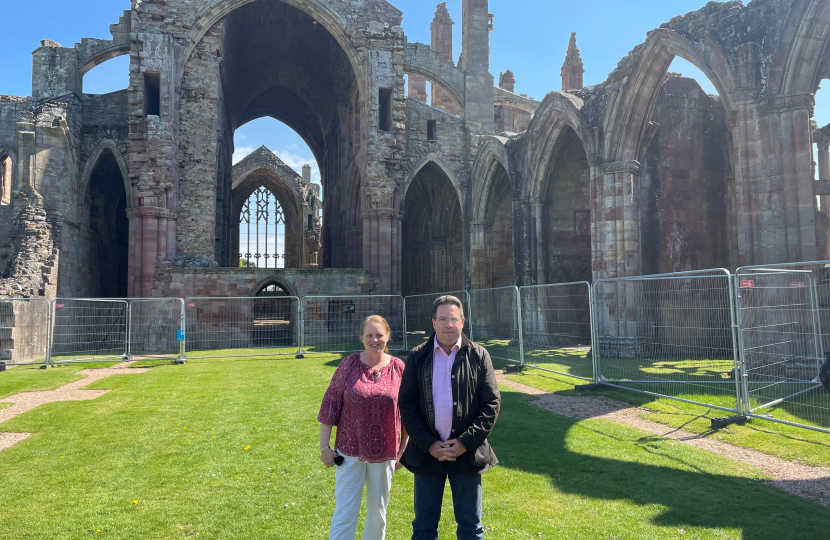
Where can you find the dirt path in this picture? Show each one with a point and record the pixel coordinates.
(808, 482)
(27, 401)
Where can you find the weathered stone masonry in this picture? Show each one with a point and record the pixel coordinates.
(471, 186)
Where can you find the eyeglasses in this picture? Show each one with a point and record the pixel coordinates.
(444, 320)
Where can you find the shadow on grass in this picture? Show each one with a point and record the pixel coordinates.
(690, 496)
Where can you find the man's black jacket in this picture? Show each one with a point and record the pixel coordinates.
(476, 402)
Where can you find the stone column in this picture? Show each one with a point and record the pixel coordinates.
(381, 247)
(618, 234)
(823, 158)
(480, 277)
(149, 244)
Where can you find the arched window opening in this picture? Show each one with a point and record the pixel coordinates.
(262, 231)
(273, 317)
(491, 238)
(107, 77)
(106, 274)
(6, 170)
(687, 164)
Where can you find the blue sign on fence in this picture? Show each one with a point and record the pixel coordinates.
(180, 335)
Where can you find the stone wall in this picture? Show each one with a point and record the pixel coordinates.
(245, 282)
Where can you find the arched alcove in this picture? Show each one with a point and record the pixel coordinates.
(492, 250)
(432, 234)
(6, 178)
(106, 201)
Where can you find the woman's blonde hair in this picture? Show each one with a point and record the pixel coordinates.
(381, 321)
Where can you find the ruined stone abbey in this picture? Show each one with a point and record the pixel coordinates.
(462, 184)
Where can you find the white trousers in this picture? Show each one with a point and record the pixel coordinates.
(348, 494)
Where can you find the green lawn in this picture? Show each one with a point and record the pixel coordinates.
(809, 447)
(228, 449)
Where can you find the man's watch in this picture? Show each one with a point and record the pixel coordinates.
(324, 449)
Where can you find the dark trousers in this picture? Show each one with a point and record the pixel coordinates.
(466, 499)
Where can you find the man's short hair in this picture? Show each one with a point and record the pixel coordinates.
(447, 301)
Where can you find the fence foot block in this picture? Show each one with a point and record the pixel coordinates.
(180, 361)
(719, 423)
(44, 366)
(512, 368)
(587, 387)
(2, 366)
(300, 356)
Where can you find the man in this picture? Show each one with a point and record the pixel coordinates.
(449, 403)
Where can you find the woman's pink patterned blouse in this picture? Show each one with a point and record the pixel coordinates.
(365, 411)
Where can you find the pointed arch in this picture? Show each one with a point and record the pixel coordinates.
(558, 113)
(797, 68)
(438, 162)
(272, 280)
(111, 146)
(8, 176)
(491, 156)
(628, 117)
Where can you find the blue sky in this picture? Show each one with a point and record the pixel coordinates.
(530, 38)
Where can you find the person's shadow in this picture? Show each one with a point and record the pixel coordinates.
(529, 439)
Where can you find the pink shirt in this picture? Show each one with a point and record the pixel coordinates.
(364, 410)
(442, 389)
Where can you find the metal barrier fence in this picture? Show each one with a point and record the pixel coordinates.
(557, 329)
(784, 318)
(154, 326)
(24, 331)
(670, 336)
(88, 330)
(496, 322)
(418, 316)
(242, 327)
(331, 324)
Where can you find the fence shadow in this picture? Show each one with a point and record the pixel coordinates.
(691, 496)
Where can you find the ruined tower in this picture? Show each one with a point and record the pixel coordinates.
(475, 63)
(441, 42)
(573, 68)
(507, 81)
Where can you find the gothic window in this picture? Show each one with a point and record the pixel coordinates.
(5, 180)
(262, 231)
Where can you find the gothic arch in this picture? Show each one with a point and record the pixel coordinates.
(491, 156)
(91, 163)
(628, 116)
(273, 280)
(798, 63)
(438, 162)
(215, 11)
(557, 113)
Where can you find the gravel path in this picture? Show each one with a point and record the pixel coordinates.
(808, 482)
(27, 401)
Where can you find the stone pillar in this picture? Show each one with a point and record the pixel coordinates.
(475, 63)
(573, 68)
(418, 88)
(774, 181)
(382, 247)
(149, 243)
(617, 218)
(480, 276)
(55, 71)
(823, 159)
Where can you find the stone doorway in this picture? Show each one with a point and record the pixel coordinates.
(108, 230)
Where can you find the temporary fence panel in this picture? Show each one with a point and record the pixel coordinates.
(495, 322)
(418, 312)
(557, 329)
(669, 335)
(241, 327)
(784, 314)
(88, 330)
(331, 324)
(24, 331)
(155, 325)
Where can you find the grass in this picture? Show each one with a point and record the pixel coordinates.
(228, 449)
(33, 379)
(791, 443)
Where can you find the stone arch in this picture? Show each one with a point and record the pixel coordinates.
(797, 68)
(320, 10)
(89, 167)
(490, 156)
(628, 116)
(106, 54)
(285, 195)
(436, 160)
(557, 113)
(8, 176)
(272, 280)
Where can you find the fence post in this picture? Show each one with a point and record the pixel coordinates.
(519, 323)
(470, 315)
(127, 347)
(405, 335)
(49, 332)
(301, 337)
(183, 327)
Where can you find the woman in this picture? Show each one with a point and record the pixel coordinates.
(362, 401)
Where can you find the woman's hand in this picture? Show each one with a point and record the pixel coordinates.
(327, 457)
